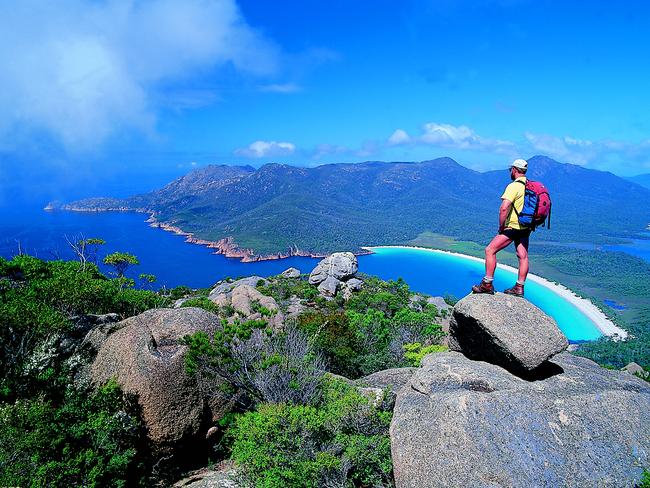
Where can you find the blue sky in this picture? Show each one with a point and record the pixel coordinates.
(97, 88)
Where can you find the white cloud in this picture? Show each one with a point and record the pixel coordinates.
(453, 137)
(566, 149)
(621, 157)
(398, 137)
(262, 149)
(80, 71)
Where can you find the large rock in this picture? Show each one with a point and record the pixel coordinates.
(394, 379)
(225, 477)
(635, 369)
(147, 360)
(350, 286)
(291, 273)
(227, 287)
(339, 265)
(505, 330)
(329, 286)
(469, 423)
(243, 299)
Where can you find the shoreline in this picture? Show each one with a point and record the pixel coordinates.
(591, 311)
(225, 246)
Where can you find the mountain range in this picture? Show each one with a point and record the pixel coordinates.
(643, 180)
(280, 210)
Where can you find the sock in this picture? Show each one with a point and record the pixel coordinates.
(488, 279)
(520, 283)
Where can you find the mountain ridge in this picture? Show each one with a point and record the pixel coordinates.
(280, 210)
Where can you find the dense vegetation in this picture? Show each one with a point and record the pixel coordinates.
(296, 422)
(53, 431)
(300, 426)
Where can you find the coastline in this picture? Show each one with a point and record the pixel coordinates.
(596, 315)
(226, 246)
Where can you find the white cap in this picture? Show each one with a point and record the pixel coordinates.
(520, 164)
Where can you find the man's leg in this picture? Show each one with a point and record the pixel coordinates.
(521, 245)
(522, 255)
(499, 242)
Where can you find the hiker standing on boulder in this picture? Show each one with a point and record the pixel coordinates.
(509, 231)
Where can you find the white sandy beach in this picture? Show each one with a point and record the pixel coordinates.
(606, 326)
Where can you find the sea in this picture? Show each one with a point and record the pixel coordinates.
(26, 227)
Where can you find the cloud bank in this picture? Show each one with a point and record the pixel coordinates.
(452, 137)
(79, 71)
(619, 156)
(263, 149)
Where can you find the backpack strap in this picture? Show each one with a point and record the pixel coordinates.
(513, 203)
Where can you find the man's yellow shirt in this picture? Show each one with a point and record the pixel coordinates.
(514, 193)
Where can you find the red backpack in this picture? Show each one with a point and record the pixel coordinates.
(537, 206)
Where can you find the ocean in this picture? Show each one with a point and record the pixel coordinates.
(175, 262)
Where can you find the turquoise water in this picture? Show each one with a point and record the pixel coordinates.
(442, 273)
(175, 262)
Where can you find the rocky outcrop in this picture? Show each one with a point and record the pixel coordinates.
(336, 273)
(294, 307)
(635, 369)
(226, 477)
(461, 422)
(504, 330)
(146, 357)
(394, 379)
(439, 303)
(383, 386)
(76, 347)
(291, 273)
(248, 303)
(339, 265)
(350, 286)
(329, 286)
(228, 286)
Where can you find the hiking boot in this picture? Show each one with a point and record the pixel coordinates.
(484, 287)
(517, 290)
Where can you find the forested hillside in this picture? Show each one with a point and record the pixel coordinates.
(346, 206)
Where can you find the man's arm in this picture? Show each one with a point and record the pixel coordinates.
(504, 210)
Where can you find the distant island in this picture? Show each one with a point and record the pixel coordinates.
(279, 210)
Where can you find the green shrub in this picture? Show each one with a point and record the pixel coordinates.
(645, 479)
(414, 352)
(179, 292)
(333, 336)
(120, 261)
(369, 333)
(280, 367)
(86, 440)
(202, 302)
(385, 296)
(450, 299)
(339, 442)
(39, 299)
(282, 288)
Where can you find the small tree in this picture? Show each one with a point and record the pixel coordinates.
(120, 261)
(85, 249)
(146, 279)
